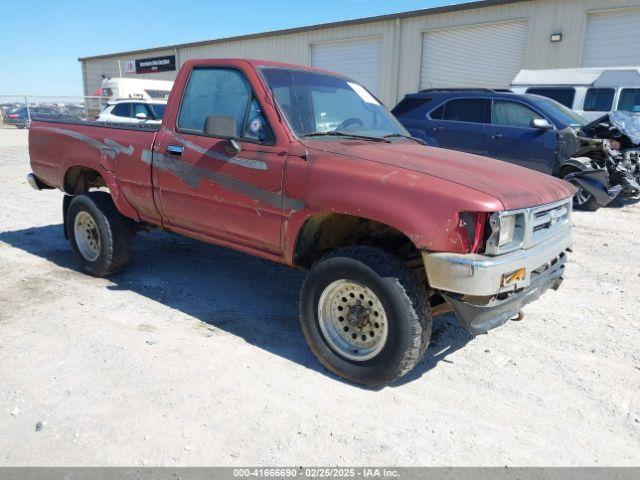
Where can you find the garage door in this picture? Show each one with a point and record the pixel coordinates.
(477, 56)
(612, 39)
(357, 59)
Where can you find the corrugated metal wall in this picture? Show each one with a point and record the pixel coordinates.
(401, 42)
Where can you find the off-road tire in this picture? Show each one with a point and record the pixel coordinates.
(115, 230)
(403, 297)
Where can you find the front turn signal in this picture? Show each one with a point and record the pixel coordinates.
(513, 277)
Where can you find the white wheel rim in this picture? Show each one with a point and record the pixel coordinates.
(87, 236)
(352, 320)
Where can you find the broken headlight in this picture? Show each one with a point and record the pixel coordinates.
(506, 232)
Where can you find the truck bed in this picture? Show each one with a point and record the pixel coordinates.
(59, 150)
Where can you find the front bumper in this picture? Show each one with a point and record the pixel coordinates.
(475, 288)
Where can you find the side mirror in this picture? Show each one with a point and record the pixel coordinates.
(223, 127)
(141, 116)
(541, 124)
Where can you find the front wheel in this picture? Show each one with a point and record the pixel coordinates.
(99, 235)
(582, 200)
(364, 315)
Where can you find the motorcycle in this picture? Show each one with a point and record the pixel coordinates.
(603, 160)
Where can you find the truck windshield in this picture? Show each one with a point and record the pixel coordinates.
(317, 104)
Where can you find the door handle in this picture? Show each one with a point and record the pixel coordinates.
(497, 136)
(437, 128)
(175, 150)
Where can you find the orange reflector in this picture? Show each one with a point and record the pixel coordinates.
(514, 277)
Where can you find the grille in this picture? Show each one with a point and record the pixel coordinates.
(546, 220)
(533, 226)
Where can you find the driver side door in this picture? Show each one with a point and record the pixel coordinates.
(207, 189)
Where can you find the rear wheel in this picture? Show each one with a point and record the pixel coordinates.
(364, 315)
(99, 235)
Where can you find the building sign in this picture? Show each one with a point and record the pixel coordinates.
(155, 64)
(130, 66)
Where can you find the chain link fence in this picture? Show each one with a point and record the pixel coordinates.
(17, 111)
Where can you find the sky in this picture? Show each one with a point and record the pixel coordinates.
(40, 41)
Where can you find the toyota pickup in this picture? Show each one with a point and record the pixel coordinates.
(307, 168)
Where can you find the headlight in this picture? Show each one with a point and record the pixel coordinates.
(506, 232)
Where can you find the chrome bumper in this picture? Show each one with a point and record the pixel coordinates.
(482, 275)
(33, 181)
(36, 183)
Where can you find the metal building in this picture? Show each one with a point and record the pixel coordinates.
(478, 44)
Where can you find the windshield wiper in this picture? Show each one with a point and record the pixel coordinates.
(336, 133)
(408, 137)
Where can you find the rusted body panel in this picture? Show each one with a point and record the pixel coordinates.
(259, 199)
(56, 148)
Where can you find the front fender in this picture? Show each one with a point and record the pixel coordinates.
(596, 183)
(580, 163)
(423, 208)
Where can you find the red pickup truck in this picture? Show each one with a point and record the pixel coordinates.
(307, 168)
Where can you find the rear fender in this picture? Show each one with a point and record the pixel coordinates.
(119, 200)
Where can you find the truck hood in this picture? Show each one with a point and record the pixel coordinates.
(514, 186)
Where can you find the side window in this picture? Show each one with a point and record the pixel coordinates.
(630, 100)
(121, 110)
(599, 99)
(411, 108)
(438, 113)
(511, 114)
(137, 108)
(565, 96)
(214, 91)
(464, 110)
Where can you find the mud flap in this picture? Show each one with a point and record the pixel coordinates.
(595, 182)
(66, 201)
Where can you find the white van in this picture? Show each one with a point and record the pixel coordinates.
(591, 92)
(119, 88)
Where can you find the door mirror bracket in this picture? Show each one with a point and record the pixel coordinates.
(233, 146)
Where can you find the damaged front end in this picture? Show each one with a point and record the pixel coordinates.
(595, 183)
(487, 289)
(480, 314)
(603, 158)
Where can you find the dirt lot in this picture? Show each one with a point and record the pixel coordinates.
(194, 356)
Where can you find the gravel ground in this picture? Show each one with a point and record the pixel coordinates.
(194, 356)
